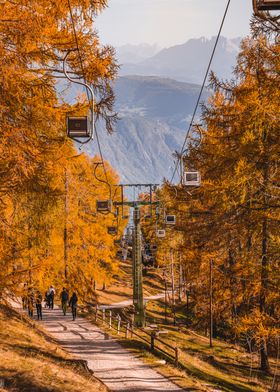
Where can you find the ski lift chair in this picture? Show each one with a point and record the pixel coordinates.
(266, 5)
(78, 127)
(112, 230)
(103, 205)
(192, 178)
(160, 233)
(170, 219)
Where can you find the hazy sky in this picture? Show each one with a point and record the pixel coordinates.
(169, 22)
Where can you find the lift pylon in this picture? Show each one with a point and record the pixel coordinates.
(138, 300)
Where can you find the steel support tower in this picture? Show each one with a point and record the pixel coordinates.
(138, 300)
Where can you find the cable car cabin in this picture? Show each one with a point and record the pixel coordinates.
(103, 206)
(78, 127)
(266, 5)
(112, 230)
(192, 179)
(160, 233)
(170, 219)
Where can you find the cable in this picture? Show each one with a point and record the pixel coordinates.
(77, 43)
(83, 73)
(202, 88)
(100, 152)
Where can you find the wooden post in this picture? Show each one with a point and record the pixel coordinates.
(110, 319)
(172, 278)
(119, 324)
(96, 313)
(132, 323)
(127, 330)
(173, 287)
(165, 296)
(180, 291)
(211, 304)
(103, 315)
(153, 335)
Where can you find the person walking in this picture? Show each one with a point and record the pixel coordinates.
(64, 300)
(47, 299)
(30, 302)
(38, 302)
(74, 303)
(51, 296)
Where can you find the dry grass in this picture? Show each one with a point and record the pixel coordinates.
(121, 289)
(225, 367)
(222, 368)
(31, 362)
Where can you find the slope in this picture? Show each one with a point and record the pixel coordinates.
(154, 114)
(225, 367)
(31, 362)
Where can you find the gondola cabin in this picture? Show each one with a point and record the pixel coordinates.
(170, 219)
(112, 230)
(78, 127)
(266, 5)
(103, 206)
(192, 178)
(160, 233)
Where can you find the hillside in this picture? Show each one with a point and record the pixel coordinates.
(187, 62)
(32, 362)
(226, 367)
(154, 115)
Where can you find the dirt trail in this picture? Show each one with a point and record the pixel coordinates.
(119, 369)
(129, 302)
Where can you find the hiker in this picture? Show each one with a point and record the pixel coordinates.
(64, 300)
(73, 303)
(47, 299)
(38, 301)
(30, 302)
(24, 297)
(51, 295)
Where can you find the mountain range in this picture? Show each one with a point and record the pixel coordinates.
(186, 62)
(155, 99)
(154, 115)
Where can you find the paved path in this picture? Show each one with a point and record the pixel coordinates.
(115, 366)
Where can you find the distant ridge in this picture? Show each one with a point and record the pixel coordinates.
(187, 62)
(154, 115)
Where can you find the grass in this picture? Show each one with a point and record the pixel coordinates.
(225, 367)
(30, 361)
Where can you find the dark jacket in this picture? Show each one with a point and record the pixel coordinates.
(73, 301)
(64, 296)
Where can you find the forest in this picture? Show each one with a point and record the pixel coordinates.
(225, 244)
